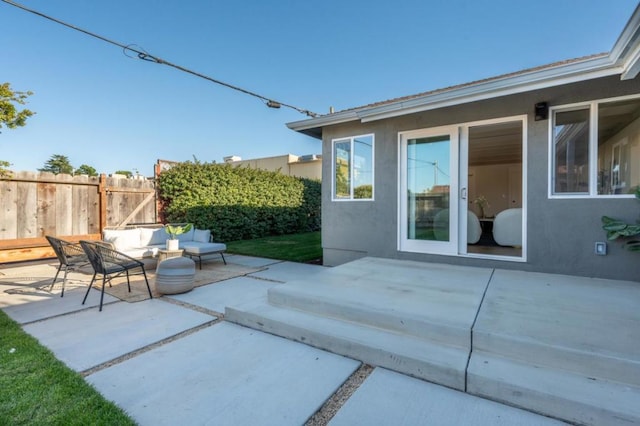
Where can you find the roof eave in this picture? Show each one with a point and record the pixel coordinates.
(313, 127)
(623, 60)
(535, 80)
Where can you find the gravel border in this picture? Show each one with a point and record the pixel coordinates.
(340, 397)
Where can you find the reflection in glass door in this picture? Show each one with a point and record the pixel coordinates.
(429, 188)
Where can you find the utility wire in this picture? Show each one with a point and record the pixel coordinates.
(151, 58)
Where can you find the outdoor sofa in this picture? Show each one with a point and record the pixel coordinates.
(142, 242)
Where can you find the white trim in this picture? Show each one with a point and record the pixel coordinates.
(632, 65)
(626, 36)
(535, 80)
(463, 173)
(351, 140)
(523, 119)
(593, 106)
(525, 186)
(593, 148)
(428, 246)
(324, 120)
(551, 160)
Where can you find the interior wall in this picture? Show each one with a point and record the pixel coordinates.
(494, 183)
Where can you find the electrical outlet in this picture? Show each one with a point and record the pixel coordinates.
(601, 248)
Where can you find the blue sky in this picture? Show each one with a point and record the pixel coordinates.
(100, 108)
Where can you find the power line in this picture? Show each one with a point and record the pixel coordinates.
(141, 54)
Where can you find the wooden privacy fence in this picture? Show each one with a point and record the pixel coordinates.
(33, 205)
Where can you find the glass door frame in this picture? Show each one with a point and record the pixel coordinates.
(459, 164)
(429, 246)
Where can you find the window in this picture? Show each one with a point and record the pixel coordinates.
(571, 151)
(596, 149)
(353, 168)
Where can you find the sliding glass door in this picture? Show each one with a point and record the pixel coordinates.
(429, 184)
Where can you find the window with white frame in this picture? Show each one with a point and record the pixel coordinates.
(595, 148)
(353, 168)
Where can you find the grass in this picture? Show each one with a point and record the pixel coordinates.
(304, 247)
(38, 389)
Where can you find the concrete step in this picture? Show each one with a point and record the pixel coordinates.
(585, 326)
(424, 359)
(556, 393)
(420, 322)
(583, 362)
(429, 301)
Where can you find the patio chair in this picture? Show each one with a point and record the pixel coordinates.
(70, 255)
(111, 264)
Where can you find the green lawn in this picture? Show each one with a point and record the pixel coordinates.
(38, 389)
(295, 247)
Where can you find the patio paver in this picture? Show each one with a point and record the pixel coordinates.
(234, 292)
(89, 338)
(289, 271)
(391, 398)
(225, 375)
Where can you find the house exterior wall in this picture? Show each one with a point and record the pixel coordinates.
(288, 164)
(560, 232)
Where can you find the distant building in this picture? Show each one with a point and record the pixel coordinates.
(305, 166)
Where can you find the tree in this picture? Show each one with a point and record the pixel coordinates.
(127, 173)
(9, 114)
(58, 164)
(4, 172)
(86, 170)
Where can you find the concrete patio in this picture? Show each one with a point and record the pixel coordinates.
(562, 346)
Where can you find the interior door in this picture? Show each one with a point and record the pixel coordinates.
(429, 191)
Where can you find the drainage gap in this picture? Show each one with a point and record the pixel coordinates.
(340, 397)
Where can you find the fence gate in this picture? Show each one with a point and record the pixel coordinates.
(33, 205)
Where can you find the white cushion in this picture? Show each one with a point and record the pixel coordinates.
(122, 239)
(187, 236)
(139, 253)
(196, 248)
(201, 235)
(152, 236)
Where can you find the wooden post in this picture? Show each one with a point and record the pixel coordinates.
(102, 191)
(159, 210)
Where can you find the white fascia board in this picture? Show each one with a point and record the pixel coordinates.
(595, 68)
(535, 80)
(323, 120)
(632, 64)
(626, 36)
(626, 50)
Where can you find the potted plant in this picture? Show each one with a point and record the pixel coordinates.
(482, 204)
(619, 229)
(174, 231)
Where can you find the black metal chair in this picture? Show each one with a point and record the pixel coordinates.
(111, 264)
(70, 255)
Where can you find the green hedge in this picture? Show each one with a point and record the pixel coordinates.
(237, 202)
